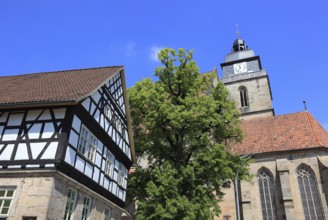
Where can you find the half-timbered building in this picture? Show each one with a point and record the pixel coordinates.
(66, 144)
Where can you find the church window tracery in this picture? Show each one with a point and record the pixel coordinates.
(309, 193)
(265, 180)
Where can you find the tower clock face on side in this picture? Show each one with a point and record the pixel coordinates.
(240, 67)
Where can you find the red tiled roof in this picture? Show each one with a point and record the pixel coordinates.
(281, 133)
(53, 87)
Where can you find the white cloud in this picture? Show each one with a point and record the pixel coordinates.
(130, 49)
(154, 50)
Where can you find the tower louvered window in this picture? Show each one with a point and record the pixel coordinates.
(266, 187)
(309, 193)
(243, 97)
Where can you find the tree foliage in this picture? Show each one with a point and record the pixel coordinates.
(181, 123)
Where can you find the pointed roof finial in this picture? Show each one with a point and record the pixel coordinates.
(237, 31)
(305, 108)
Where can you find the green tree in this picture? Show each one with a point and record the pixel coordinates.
(181, 124)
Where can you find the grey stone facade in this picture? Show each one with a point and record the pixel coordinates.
(283, 167)
(254, 80)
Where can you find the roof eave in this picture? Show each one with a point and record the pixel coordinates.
(282, 151)
(37, 104)
(81, 98)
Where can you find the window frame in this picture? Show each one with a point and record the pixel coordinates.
(29, 218)
(109, 163)
(5, 198)
(72, 204)
(121, 175)
(107, 213)
(87, 143)
(266, 186)
(86, 209)
(119, 126)
(108, 111)
(243, 95)
(308, 176)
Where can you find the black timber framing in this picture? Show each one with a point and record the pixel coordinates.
(83, 179)
(104, 137)
(100, 133)
(58, 136)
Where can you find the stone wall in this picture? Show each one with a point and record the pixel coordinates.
(258, 91)
(43, 195)
(283, 167)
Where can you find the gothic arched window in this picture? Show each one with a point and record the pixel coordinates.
(265, 179)
(243, 96)
(309, 193)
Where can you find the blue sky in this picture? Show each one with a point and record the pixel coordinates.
(291, 38)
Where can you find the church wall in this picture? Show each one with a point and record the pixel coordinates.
(258, 94)
(257, 115)
(228, 205)
(323, 165)
(288, 202)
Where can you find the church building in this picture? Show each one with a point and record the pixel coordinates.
(289, 152)
(66, 145)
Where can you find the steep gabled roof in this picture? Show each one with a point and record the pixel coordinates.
(68, 86)
(281, 133)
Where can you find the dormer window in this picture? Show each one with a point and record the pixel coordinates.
(243, 97)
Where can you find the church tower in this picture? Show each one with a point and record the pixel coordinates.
(247, 82)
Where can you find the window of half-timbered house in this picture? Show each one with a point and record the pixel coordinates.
(108, 112)
(121, 175)
(109, 163)
(87, 144)
(106, 215)
(70, 204)
(6, 197)
(86, 208)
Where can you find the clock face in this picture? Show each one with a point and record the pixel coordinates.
(240, 67)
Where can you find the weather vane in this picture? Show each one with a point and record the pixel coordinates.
(237, 31)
